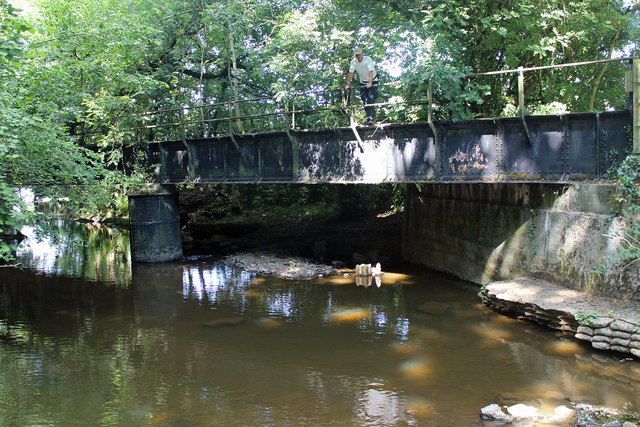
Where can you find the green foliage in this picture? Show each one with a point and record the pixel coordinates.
(9, 220)
(627, 198)
(586, 318)
(629, 414)
(365, 201)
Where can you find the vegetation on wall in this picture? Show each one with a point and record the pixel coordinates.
(627, 197)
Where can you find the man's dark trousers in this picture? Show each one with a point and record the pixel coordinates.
(369, 96)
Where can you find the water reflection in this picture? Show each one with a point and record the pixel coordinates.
(200, 343)
(96, 253)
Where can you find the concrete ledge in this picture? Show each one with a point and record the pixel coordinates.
(607, 323)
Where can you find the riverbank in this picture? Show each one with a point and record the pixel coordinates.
(608, 324)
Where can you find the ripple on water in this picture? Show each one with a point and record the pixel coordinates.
(419, 407)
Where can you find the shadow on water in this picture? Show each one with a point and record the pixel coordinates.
(199, 342)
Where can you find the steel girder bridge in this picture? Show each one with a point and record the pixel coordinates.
(549, 148)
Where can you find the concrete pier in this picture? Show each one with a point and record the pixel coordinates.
(154, 220)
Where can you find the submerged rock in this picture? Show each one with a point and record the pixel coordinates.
(227, 321)
(434, 307)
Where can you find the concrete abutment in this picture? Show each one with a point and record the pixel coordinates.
(487, 232)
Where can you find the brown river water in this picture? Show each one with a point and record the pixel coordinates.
(86, 338)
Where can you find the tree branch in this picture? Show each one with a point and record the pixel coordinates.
(202, 75)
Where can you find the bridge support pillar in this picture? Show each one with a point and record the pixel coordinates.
(154, 221)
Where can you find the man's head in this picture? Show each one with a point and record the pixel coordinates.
(357, 52)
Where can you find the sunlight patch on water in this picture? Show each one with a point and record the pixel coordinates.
(397, 279)
(269, 323)
(380, 407)
(415, 369)
(227, 321)
(419, 407)
(406, 347)
(349, 315)
(492, 332)
(565, 348)
(253, 293)
(339, 280)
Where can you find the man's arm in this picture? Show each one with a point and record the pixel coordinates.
(349, 80)
(370, 82)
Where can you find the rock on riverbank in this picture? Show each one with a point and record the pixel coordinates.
(579, 415)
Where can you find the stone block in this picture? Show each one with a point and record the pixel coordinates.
(584, 330)
(620, 341)
(634, 344)
(601, 345)
(621, 349)
(584, 337)
(635, 352)
(605, 332)
(566, 327)
(601, 322)
(624, 326)
(620, 334)
(601, 338)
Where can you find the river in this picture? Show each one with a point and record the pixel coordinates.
(87, 338)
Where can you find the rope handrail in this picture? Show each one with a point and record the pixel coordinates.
(547, 67)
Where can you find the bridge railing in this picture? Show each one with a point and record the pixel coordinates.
(314, 109)
(290, 111)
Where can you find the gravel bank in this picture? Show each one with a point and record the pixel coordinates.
(283, 267)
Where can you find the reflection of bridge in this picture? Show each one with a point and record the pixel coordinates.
(570, 147)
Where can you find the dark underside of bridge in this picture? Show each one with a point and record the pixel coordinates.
(571, 147)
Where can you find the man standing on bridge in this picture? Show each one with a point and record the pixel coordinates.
(368, 82)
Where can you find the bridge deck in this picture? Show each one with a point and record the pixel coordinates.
(572, 147)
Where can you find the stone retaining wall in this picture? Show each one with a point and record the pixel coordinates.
(486, 232)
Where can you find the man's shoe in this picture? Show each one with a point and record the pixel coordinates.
(368, 122)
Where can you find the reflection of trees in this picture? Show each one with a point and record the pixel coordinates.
(78, 249)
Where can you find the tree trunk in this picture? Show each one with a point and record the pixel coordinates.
(233, 71)
(598, 77)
